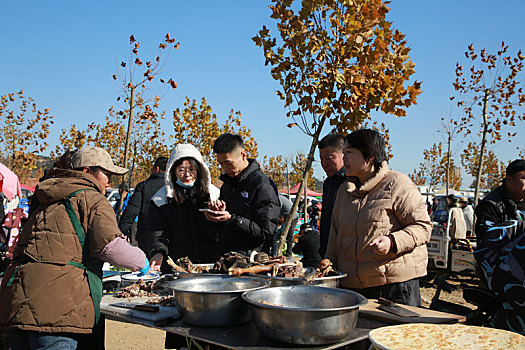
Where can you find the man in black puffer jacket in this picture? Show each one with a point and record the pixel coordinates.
(139, 202)
(507, 202)
(249, 204)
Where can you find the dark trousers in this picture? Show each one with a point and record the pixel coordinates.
(407, 292)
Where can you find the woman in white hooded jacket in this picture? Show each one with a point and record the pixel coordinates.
(176, 228)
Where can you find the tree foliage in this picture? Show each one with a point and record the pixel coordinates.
(434, 168)
(70, 139)
(522, 153)
(297, 166)
(135, 78)
(198, 125)
(24, 129)
(337, 61)
(340, 60)
(492, 172)
(276, 167)
(418, 177)
(147, 141)
(489, 90)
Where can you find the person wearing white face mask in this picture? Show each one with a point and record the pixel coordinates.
(175, 225)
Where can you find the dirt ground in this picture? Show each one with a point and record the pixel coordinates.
(125, 336)
(120, 335)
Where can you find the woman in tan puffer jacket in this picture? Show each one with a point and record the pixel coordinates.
(380, 225)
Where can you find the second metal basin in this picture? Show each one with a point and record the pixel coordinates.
(304, 314)
(214, 300)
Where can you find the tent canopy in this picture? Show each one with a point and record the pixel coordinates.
(9, 184)
(309, 192)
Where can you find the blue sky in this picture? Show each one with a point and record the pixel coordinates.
(62, 53)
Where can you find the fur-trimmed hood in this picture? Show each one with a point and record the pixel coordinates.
(183, 151)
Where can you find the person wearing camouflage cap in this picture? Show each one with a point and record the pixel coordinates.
(96, 156)
(51, 292)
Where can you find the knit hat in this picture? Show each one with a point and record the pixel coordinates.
(96, 156)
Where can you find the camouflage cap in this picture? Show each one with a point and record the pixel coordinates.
(96, 156)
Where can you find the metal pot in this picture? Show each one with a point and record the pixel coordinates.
(214, 300)
(304, 315)
(329, 281)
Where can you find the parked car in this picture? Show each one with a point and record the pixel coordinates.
(112, 195)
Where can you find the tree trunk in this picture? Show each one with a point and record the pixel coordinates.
(482, 149)
(126, 149)
(305, 211)
(448, 163)
(287, 179)
(288, 221)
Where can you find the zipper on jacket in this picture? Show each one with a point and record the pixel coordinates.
(356, 234)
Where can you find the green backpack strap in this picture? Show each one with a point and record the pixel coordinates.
(92, 267)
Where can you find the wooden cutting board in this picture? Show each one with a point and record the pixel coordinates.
(370, 310)
(163, 314)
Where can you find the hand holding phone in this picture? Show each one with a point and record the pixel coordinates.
(206, 210)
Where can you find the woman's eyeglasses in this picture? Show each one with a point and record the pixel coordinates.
(182, 171)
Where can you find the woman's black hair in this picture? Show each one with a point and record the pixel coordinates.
(199, 191)
(64, 161)
(371, 144)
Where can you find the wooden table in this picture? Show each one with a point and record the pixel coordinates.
(247, 337)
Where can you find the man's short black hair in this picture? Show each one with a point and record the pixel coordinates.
(370, 143)
(335, 141)
(515, 166)
(161, 162)
(227, 143)
(305, 227)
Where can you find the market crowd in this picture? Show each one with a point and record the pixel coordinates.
(374, 226)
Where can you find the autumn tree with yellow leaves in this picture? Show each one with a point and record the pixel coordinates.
(337, 61)
(488, 91)
(492, 172)
(434, 167)
(24, 129)
(276, 167)
(70, 139)
(418, 177)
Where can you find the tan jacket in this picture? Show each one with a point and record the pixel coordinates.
(388, 203)
(456, 223)
(48, 295)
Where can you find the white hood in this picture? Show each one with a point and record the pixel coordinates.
(183, 151)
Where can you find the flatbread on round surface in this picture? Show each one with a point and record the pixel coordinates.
(440, 336)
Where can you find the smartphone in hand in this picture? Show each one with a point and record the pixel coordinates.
(206, 210)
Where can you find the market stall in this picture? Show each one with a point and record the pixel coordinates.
(248, 336)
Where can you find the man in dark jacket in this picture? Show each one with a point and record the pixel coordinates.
(308, 245)
(502, 258)
(249, 205)
(507, 202)
(139, 202)
(331, 154)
